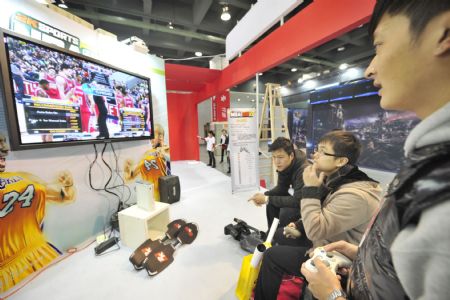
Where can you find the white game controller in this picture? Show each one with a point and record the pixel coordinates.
(333, 260)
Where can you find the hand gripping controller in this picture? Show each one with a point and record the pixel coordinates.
(332, 260)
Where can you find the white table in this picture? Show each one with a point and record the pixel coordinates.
(137, 225)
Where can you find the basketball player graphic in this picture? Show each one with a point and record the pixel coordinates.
(23, 247)
(150, 168)
(64, 82)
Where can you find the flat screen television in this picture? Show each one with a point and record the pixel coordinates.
(55, 97)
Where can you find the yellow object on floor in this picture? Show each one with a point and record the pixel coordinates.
(249, 272)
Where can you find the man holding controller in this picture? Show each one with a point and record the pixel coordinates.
(404, 252)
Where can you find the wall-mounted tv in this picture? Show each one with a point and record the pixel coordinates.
(56, 97)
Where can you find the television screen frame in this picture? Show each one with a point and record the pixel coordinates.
(10, 97)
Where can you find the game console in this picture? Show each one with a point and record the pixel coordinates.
(145, 195)
(333, 260)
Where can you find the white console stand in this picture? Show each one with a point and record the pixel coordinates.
(137, 225)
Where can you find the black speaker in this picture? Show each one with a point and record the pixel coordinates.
(169, 189)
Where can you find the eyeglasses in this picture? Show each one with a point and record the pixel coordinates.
(322, 152)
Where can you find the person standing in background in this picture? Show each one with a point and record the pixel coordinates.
(210, 144)
(224, 143)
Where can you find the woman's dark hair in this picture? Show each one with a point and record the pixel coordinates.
(419, 12)
(344, 144)
(282, 143)
(212, 133)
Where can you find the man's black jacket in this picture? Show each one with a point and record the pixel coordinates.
(293, 175)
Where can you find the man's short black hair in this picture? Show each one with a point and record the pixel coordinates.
(43, 81)
(282, 143)
(419, 12)
(344, 144)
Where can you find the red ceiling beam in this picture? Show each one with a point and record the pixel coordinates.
(188, 78)
(321, 21)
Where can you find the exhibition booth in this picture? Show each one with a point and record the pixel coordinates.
(90, 121)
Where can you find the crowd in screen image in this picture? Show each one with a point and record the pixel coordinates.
(98, 100)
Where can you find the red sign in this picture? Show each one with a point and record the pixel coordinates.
(220, 105)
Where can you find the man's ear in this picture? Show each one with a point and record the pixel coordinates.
(444, 43)
(443, 47)
(342, 161)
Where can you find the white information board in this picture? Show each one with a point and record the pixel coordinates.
(242, 125)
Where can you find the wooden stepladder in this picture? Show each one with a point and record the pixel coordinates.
(273, 124)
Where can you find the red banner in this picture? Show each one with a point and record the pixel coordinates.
(220, 105)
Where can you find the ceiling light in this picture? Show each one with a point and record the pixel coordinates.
(294, 70)
(225, 16)
(340, 49)
(253, 100)
(62, 4)
(343, 66)
(239, 99)
(260, 74)
(198, 53)
(310, 84)
(170, 25)
(327, 86)
(352, 73)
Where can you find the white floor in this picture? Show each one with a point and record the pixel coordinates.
(207, 269)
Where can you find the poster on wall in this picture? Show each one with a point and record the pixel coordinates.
(220, 104)
(297, 118)
(153, 164)
(25, 197)
(382, 133)
(242, 125)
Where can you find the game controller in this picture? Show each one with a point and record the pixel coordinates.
(333, 260)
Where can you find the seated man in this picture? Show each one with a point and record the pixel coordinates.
(289, 164)
(338, 201)
(404, 254)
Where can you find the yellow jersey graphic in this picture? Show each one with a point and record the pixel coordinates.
(24, 248)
